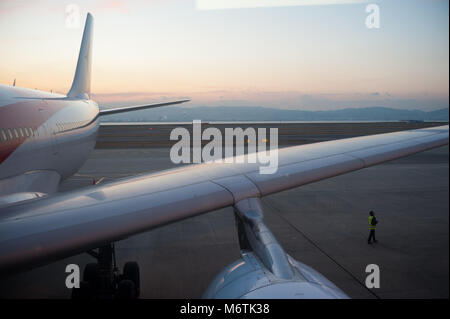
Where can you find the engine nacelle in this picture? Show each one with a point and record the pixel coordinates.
(249, 278)
(265, 270)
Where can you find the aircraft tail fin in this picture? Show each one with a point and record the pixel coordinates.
(81, 85)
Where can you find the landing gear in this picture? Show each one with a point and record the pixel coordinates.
(131, 273)
(102, 280)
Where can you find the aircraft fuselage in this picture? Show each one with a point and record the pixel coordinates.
(40, 131)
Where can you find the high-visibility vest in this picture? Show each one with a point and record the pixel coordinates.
(370, 223)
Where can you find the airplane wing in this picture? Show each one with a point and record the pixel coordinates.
(64, 224)
(139, 107)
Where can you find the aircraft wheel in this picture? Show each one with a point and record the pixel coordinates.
(131, 272)
(126, 290)
(91, 274)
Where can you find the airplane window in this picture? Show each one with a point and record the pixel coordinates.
(26, 131)
(21, 132)
(4, 135)
(15, 133)
(10, 134)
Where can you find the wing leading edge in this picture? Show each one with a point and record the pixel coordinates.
(62, 225)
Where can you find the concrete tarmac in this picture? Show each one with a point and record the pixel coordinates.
(323, 225)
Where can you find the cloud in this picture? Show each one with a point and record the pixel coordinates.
(132, 98)
(294, 100)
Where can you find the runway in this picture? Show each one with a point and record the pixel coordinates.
(323, 225)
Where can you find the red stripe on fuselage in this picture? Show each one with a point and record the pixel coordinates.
(24, 114)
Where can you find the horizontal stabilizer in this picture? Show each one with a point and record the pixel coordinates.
(138, 107)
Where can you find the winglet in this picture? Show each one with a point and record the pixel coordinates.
(81, 86)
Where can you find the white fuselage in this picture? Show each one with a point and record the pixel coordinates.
(43, 132)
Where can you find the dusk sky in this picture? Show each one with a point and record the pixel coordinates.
(293, 56)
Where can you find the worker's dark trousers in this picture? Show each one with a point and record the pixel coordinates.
(371, 236)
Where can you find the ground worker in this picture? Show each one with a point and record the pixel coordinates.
(372, 226)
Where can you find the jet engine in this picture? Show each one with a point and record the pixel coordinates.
(265, 270)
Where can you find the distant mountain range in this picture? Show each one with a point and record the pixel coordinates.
(204, 113)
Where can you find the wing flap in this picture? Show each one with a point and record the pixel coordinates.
(298, 174)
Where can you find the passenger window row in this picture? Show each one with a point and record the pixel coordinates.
(10, 134)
